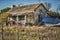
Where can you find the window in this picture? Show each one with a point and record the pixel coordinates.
(14, 18)
(22, 17)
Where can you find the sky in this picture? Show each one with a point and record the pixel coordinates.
(9, 3)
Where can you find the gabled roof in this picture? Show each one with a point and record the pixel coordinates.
(26, 8)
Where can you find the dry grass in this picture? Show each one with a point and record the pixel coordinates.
(3, 17)
(31, 33)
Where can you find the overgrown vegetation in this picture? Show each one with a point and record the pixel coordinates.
(30, 33)
(5, 10)
(3, 17)
(4, 14)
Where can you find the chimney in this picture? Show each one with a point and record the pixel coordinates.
(13, 6)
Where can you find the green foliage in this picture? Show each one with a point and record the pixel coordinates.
(5, 9)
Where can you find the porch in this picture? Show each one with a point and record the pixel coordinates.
(18, 19)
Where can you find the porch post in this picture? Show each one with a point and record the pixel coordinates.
(17, 19)
(25, 18)
(8, 20)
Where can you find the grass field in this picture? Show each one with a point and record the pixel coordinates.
(30, 33)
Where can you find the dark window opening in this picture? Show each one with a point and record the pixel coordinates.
(14, 17)
(21, 17)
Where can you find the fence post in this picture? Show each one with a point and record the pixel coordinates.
(2, 32)
(18, 33)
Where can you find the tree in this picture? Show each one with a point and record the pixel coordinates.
(48, 5)
(5, 9)
(58, 8)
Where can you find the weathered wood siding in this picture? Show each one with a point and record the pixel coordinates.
(37, 10)
(30, 18)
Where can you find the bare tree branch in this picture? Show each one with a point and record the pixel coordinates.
(48, 5)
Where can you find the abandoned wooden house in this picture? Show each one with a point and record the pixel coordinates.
(27, 13)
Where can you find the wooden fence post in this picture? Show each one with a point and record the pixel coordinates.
(2, 32)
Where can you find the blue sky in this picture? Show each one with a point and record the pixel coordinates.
(8, 3)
